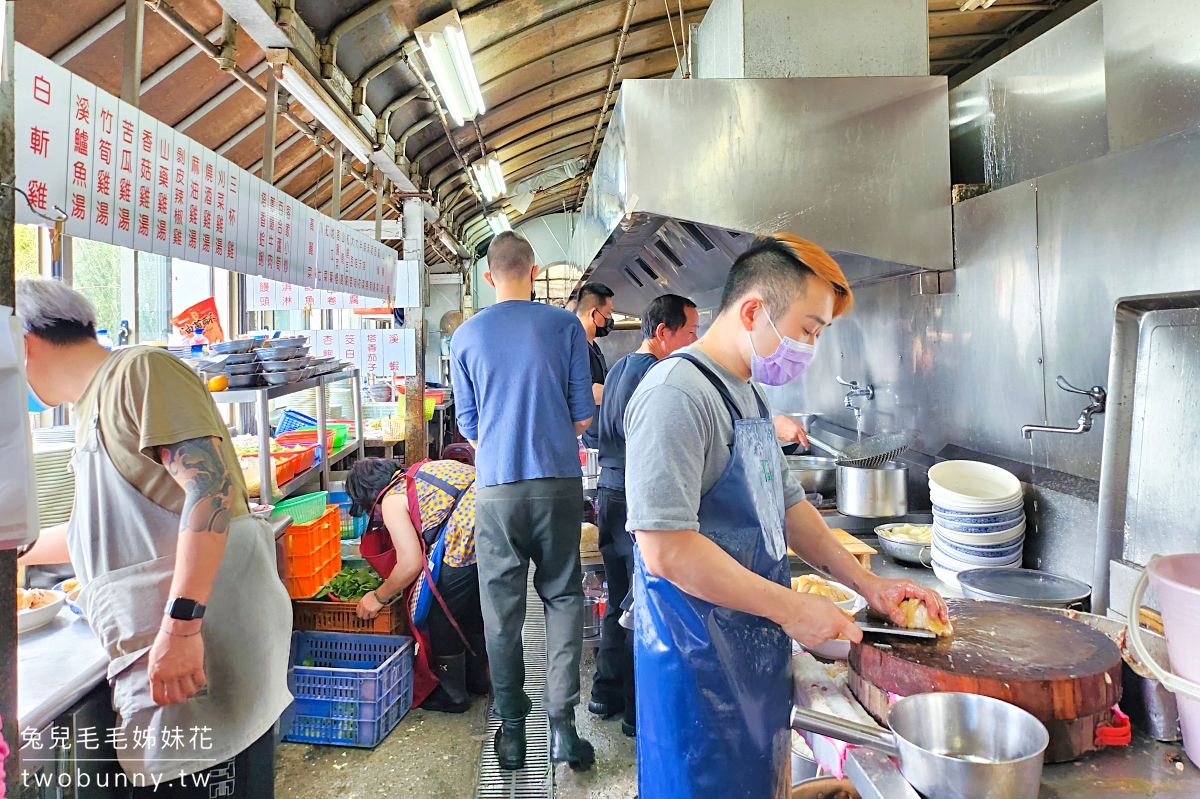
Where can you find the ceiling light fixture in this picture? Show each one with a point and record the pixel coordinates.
(490, 177)
(299, 84)
(498, 222)
(445, 49)
(971, 5)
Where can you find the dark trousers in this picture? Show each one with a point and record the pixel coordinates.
(248, 775)
(613, 682)
(515, 523)
(459, 586)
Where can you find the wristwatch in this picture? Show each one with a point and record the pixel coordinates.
(184, 609)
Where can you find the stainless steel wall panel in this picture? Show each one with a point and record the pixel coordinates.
(1039, 109)
(719, 46)
(962, 368)
(1152, 68)
(1124, 225)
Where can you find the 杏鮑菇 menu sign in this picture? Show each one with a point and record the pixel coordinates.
(119, 176)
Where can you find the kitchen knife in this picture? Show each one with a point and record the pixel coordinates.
(875, 625)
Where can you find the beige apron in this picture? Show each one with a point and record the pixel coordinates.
(122, 547)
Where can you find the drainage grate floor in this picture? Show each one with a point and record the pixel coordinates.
(535, 780)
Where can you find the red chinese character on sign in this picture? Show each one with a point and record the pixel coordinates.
(207, 219)
(126, 131)
(143, 225)
(81, 141)
(164, 177)
(177, 237)
(229, 249)
(232, 214)
(83, 109)
(178, 216)
(147, 141)
(104, 148)
(220, 223)
(220, 248)
(106, 120)
(208, 195)
(41, 90)
(126, 161)
(164, 150)
(195, 165)
(160, 204)
(264, 302)
(123, 219)
(78, 174)
(160, 229)
(206, 244)
(180, 157)
(38, 141)
(194, 191)
(78, 209)
(103, 182)
(221, 200)
(143, 196)
(208, 171)
(179, 196)
(191, 239)
(102, 213)
(144, 170)
(193, 215)
(125, 190)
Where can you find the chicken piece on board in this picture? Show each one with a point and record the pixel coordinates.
(918, 617)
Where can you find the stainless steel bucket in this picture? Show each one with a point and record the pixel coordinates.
(879, 492)
(817, 475)
(951, 745)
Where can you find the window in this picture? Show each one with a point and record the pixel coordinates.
(153, 298)
(99, 271)
(554, 283)
(25, 250)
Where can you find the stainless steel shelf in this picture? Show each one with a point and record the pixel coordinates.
(344, 451)
(247, 395)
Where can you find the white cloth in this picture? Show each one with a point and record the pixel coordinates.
(122, 547)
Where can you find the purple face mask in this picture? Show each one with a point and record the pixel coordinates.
(790, 359)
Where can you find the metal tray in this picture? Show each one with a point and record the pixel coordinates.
(1023, 587)
(235, 346)
(279, 353)
(285, 366)
(237, 358)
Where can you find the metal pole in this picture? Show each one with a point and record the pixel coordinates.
(131, 65)
(356, 383)
(416, 430)
(380, 190)
(338, 159)
(322, 433)
(8, 558)
(266, 465)
(270, 120)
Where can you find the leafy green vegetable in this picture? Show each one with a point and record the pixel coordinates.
(350, 585)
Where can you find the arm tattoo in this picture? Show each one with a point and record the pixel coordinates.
(197, 466)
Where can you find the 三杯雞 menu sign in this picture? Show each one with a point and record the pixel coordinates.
(122, 177)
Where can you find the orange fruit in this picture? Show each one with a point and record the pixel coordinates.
(218, 383)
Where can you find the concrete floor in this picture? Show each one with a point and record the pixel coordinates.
(436, 756)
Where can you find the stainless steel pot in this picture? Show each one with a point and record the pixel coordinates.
(879, 492)
(817, 475)
(951, 745)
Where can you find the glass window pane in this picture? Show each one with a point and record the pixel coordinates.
(96, 273)
(25, 250)
(154, 297)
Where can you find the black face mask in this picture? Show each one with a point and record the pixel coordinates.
(609, 324)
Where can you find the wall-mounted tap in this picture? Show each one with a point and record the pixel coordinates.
(1099, 399)
(856, 391)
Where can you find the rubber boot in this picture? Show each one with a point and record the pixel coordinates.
(567, 747)
(629, 722)
(450, 695)
(509, 745)
(479, 677)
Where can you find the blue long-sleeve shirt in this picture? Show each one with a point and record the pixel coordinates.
(521, 381)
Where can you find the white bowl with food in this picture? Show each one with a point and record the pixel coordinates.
(37, 607)
(845, 598)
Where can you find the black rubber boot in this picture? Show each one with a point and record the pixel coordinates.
(629, 723)
(509, 745)
(567, 747)
(479, 678)
(450, 695)
(605, 710)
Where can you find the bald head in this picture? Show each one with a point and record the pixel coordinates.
(509, 257)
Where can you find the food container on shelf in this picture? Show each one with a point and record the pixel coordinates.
(284, 366)
(245, 381)
(872, 493)
(283, 378)
(236, 346)
(279, 353)
(236, 358)
(242, 368)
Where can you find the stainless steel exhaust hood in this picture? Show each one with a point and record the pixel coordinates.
(691, 169)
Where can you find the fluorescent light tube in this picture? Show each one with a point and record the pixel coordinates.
(498, 222)
(354, 140)
(445, 49)
(490, 177)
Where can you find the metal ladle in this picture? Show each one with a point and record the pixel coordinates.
(951, 745)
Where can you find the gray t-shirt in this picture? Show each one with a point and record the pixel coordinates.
(678, 432)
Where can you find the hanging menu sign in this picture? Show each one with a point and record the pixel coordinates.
(119, 176)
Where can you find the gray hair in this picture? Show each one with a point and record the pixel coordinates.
(49, 305)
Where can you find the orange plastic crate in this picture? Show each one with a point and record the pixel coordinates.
(312, 554)
(285, 466)
(343, 617)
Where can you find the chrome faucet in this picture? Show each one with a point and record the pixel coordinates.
(856, 391)
(1099, 399)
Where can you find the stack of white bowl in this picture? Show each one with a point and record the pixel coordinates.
(55, 482)
(978, 518)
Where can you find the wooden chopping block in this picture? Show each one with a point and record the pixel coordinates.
(1064, 672)
(861, 552)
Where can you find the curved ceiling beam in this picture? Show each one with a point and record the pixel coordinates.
(595, 52)
(487, 26)
(531, 168)
(555, 151)
(353, 21)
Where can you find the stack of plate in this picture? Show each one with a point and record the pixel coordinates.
(58, 434)
(55, 482)
(978, 518)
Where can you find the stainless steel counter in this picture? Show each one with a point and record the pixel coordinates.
(1144, 768)
(56, 666)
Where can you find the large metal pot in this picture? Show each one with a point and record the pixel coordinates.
(951, 745)
(872, 493)
(817, 475)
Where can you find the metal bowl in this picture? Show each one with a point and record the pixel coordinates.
(285, 366)
(289, 341)
(235, 346)
(283, 378)
(1024, 587)
(245, 381)
(904, 551)
(817, 475)
(238, 358)
(279, 353)
(241, 368)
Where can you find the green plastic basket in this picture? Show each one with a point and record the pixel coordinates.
(337, 433)
(304, 509)
(430, 406)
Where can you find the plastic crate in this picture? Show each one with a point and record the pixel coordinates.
(342, 617)
(304, 509)
(285, 466)
(337, 432)
(352, 526)
(353, 691)
(293, 420)
(305, 454)
(312, 554)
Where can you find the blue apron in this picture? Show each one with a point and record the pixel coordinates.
(714, 684)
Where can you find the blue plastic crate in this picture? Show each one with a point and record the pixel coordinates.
(352, 526)
(294, 420)
(355, 688)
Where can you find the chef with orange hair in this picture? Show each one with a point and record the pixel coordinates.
(714, 509)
